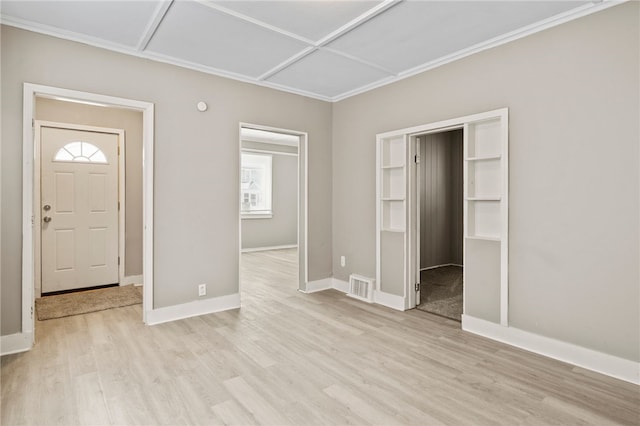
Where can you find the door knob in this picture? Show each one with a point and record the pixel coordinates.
(46, 207)
(46, 219)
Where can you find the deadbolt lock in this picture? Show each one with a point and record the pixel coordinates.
(46, 207)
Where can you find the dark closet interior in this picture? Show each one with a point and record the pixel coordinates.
(441, 223)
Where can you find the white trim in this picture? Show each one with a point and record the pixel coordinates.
(380, 297)
(580, 356)
(489, 44)
(254, 249)
(154, 23)
(30, 91)
(318, 285)
(248, 215)
(303, 197)
(411, 262)
(531, 29)
(37, 192)
(132, 279)
(266, 151)
(389, 300)
(341, 285)
(15, 343)
(193, 309)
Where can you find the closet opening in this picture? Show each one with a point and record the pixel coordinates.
(440, 225)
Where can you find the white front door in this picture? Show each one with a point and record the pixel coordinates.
(79, 208)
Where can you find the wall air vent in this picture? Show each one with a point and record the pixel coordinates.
(361, 288)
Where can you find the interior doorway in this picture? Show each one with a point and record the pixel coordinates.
(31, 204)
(485, 215)
(439, 217)
(273, 207)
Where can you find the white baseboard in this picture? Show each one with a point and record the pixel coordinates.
(250, 250)
(132, 279)
(319, 285)
(381, 298)
(389, 300)
(589, 359)
(340, 285)
(193, 309)
(15, 343)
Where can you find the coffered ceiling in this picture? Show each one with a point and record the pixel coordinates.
(328, 50)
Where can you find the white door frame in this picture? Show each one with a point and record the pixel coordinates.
(436, 127)
(37, 193)
(30, 92)
(303, 198)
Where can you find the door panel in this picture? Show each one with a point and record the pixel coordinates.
(79, 201)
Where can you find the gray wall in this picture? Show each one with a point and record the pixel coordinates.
(574, 119)
(282, 228)
(196, 160)
(116, 118)
(441, 193)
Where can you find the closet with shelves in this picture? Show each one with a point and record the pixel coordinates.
(484, 210)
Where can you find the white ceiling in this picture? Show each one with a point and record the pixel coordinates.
(328, 50)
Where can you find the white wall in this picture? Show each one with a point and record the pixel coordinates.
(196, 160)
(573, 95)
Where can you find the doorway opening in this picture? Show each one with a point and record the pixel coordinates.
(439, 217)
(273, 211)
(31, 203)
(485, 246)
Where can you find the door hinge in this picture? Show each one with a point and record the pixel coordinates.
(416, 159)
(32, 312)
(118, 149)
(118, 260)
(118, 205)
(417, 286)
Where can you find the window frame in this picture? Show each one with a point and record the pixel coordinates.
(259, 160)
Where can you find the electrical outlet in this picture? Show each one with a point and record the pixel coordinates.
(343, 261)
(202, 290)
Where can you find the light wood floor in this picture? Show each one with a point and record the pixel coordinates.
(289, 358)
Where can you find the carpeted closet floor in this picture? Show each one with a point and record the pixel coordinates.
(441, 291)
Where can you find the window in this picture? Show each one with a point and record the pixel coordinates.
(82, 152)
(255, 187)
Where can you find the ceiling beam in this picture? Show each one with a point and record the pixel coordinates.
(154, 23)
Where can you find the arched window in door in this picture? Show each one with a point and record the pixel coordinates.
(81, 152)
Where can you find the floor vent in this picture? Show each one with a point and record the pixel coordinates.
(361, 288)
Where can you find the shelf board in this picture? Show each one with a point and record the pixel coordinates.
(483, 238)
(397, 230)
(484, 158)
(483, 198)
(395, 166)
(392, 199)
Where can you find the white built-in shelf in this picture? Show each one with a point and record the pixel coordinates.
(392, 230)
(485, 158)
(483, 237)
(393, 166)
(483, 198)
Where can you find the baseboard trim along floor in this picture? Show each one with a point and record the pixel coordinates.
(579, 356)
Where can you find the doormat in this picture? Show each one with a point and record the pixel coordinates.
(84, 302)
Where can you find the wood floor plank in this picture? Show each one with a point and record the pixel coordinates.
(291, 358)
